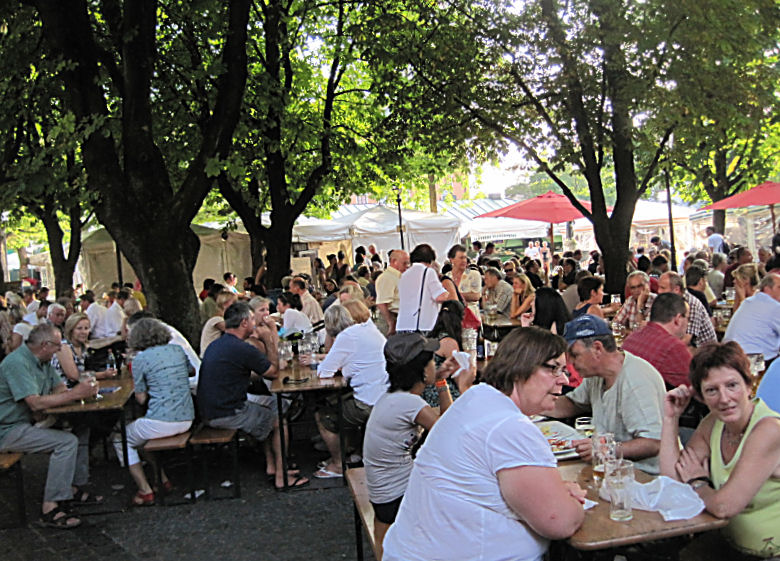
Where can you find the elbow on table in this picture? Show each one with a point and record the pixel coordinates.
(563, 525)
(722, 509)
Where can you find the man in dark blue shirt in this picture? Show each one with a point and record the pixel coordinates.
(229, 365)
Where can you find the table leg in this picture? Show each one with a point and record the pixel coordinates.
(123, 430)
(342, 443)
(283, 448)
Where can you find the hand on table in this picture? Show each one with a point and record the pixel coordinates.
(690, 465)
(575, 491)
(84, 390)
(107, 373)
(583, 447)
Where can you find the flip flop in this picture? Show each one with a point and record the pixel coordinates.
(297, 483)
(327, 474)
(82, 497)
(51, 520)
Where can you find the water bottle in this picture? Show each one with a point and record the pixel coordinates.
(111, 364)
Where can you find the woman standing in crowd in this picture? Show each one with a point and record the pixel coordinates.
(733, 457)
(161, 377)
(397, 421)
(486, 485)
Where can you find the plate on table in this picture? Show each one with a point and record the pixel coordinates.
(560, 435)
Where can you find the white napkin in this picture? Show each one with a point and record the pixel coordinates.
(672, 499)
(464, 361)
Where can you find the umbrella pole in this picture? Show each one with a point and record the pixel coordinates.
(671, 222)
(772, 212)
(552, 239)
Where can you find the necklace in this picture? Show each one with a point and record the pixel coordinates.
(733, 440)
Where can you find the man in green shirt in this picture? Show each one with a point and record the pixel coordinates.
(28, 386)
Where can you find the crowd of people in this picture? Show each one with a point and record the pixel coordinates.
(454, 464)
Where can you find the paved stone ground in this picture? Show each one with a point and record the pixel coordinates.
(311, 524)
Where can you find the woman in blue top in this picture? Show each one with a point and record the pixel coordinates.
(161, 376)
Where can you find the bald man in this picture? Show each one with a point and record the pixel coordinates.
(387, 300)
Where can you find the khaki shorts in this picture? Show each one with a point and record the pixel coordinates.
(354, 413)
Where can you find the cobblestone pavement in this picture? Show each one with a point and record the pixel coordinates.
(310, 524)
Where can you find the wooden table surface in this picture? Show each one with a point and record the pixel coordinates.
(103, 342)
(598, 531)
(110, 401)
(296, 371)
(499, 320)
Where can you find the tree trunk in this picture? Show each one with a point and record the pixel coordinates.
(166, 264)
(719, 221)
(278, 253)
(64, 267)
(24, 261)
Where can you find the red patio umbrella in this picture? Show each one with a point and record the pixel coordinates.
(550, 207)
(768, 193)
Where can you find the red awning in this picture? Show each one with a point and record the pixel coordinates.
(767, 193)
(550, 207)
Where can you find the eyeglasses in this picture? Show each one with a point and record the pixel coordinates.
(53, 344)
(557, 370)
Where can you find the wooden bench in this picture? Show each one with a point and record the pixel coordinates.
(168, 444)
(11, 461)
(364, 512)
(213, 437)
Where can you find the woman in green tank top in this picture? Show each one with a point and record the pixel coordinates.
(733, 458)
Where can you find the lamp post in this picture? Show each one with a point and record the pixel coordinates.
(400, 220)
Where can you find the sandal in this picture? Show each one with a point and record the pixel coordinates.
(142, 499)
(327, 474)
(82, 497)
(297, 483)
(166, 486)
(60, 518)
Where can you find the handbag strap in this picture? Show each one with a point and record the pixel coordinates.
(419, 305)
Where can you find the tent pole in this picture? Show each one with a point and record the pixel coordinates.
(118, 264)
(671, 221)
(772, 212)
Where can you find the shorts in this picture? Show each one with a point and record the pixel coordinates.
(257, 419)
(354, 413)
(386, 512)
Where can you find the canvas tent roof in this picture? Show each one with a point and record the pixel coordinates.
(216, 256)
(379, 225)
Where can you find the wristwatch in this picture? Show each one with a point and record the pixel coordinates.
(700, 481)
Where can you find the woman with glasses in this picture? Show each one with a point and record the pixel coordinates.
(486, 485)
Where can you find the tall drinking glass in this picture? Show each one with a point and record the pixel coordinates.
(603, 451)
(619, 483)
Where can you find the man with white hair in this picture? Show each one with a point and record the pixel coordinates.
(756, 323)
(387, 299)
(636, 309)
(56, 315)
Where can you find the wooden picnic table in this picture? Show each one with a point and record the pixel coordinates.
(114, 401)
(598, 531)
(496, 327)
(102, 343)
(298, 378)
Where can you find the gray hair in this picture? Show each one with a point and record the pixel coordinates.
(337, 319)
(701, 264)
(717, 259)
(258, 301)
(146, 333)
(494, 273)
(607, 341)
(56, 308)
(236, 313)
(41, 333)
(769, 281)
(640, 274)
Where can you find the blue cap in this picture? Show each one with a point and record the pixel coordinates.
(585, 326)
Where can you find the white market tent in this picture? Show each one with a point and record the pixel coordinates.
(378, 225)
(216, 256)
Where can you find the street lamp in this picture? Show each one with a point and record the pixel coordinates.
(400, 220)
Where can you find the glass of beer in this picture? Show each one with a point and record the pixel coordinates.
(619, 483)
(603, 451)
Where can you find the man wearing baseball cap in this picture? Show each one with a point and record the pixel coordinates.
(624, 393)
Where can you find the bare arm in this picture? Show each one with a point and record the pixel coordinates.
(61, 396)
(68, 365)
(449, 286)
(471, 296)
(427, 417)
(564, 408)
(141, 397)
(543, 500)
(384, 309)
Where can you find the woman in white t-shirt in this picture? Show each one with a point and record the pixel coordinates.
(397, 421)
(293, 319)
(215, 326)
(485, 486)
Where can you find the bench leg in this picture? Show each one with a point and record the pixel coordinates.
(190, 473)
(20, 494)
(236, 472)
(158, 468)
(204, 449)
(358, 532)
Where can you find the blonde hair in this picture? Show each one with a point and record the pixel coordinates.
(529, 288)
(747, 272)
(358, 310)
(225, 299)
(354, 292)
(71, 323)
(132, 306)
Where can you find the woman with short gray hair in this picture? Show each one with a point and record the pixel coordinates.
(161, 376)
